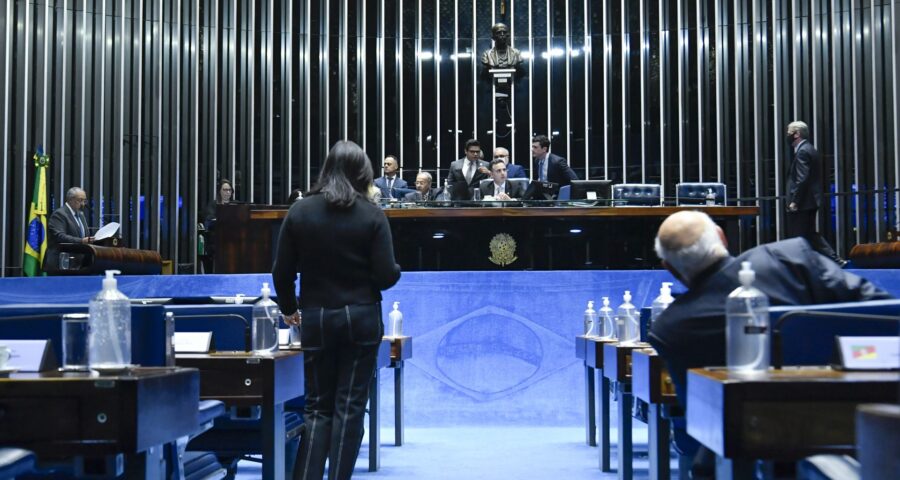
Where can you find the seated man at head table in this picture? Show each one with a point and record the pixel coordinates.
(512, 170)
(499, 188)
(690, 333)
(424, 192)
(390, 183)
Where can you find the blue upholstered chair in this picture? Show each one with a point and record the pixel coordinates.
(637, 194)
(694, 193)
(15, 462)
(565, 192)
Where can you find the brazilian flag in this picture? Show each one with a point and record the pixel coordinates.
(36, 239)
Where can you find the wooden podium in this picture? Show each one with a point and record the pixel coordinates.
(86, 259)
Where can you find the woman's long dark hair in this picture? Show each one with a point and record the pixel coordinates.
(345, 176)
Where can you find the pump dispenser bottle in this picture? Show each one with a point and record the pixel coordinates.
(109, 341)
(265, 323)
(627, 326)
(747, 325)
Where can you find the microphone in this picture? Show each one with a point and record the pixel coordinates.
(777, 350)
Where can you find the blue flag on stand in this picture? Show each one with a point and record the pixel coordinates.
(36, 230)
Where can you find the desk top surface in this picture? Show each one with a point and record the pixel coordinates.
(794, 375)
(132, 375)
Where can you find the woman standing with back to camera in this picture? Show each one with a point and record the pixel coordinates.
(341, 245)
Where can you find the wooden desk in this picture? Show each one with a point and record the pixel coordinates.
(63, 415)
(780, 415)
(241, 379)
(617, 368)
(401, 350)
(651, 383)
(542, 236)
(590, 350)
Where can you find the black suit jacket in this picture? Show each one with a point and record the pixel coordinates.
(513, 189)
(558, 170)
(805, 178)
(459, 188)
(62, 228)
(417, 197)
(691, 332)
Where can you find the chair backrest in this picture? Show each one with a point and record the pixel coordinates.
(565, 192)
(148, 328)
(484, 181)
(523, 181)
(694, 193)
(809, 340)
(638, 193)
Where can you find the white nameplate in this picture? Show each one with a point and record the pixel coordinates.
(192, 342)
(591, 195)
(870, 353)
(27, 355)
(284, 336)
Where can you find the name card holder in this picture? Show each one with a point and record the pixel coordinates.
(867, 353)
(30, 356)
(193, 342)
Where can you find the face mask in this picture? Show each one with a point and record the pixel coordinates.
(789, 139)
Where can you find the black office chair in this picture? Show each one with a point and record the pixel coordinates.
(637, 194)
(694, 193)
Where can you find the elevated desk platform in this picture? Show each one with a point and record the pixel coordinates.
(546, 237)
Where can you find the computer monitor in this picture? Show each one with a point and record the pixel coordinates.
(591, 190)
(538, 190)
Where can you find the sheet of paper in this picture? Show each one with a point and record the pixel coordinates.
(107, 231)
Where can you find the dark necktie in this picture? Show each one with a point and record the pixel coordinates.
(470, 172)
(541, 175)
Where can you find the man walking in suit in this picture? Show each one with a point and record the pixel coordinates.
(391, 181)
(467, 172)
(512, 170)
(804, 191)
(500, 188)
(67, 224)
(424, 192)
(550, 167)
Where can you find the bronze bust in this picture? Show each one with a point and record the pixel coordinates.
(502, 55)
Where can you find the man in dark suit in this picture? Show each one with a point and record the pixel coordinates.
(690, 333)
(804, 191)
(424, 192)
(549, 167)
(67, 224)
(500, 188)
(390, 183)
(467, 172)
(512, 170)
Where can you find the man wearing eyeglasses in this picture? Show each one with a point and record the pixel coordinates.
(67, 224)
(512, 170)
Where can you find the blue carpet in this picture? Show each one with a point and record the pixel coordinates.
(501, 452)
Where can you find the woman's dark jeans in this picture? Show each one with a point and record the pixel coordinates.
(340, 347)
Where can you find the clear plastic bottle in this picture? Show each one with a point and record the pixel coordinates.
(265, 323)
(607, 321)
(109, 340)
(395, 320)
(661, 302)
(710, 198)
(590, 320)
(445, 193)
(627, 325)
(747, 325)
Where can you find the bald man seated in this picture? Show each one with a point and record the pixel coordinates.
(691, 332)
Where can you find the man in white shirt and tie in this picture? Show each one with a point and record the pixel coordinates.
(500, 188)
(467, 172)
(391, 184)
(67, 224)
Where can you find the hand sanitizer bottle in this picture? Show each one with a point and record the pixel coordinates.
(109, 341)
(590, 320)
(395, 318)
(661, 302)
(710, 198)
(627, 321)
(747, 325)
(607, 321)
(265, 324)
